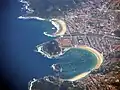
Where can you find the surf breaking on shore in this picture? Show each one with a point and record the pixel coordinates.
(60, 25)
(61, 29)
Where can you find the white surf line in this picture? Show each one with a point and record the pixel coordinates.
(55, 24)
(36, 18)
(39, 50)
(60, 25)
(31, 83)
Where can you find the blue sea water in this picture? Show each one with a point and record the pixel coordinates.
(76, 61)
(20, 63)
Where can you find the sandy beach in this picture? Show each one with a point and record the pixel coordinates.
(60, 25)
(99, 57)
(79, 76)
(96, 53)
(61, 29)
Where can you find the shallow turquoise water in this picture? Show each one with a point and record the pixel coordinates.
(76, 61)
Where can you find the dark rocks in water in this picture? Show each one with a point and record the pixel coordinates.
(43, 85)
(52, 8)
(53, 83)
(52, 47)
(110, 78)
(117, 33)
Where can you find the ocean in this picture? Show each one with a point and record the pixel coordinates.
(76, 61)
(19, 63)
(18, 38)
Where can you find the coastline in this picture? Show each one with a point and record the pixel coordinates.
(39, 49)
(61, 29)
(90, 26)
(99, 57)
(79, 76)
(60, 25)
